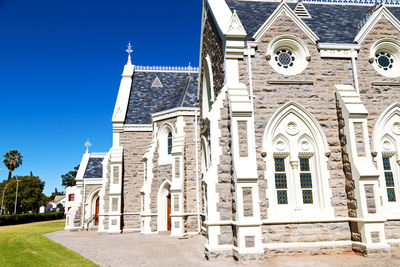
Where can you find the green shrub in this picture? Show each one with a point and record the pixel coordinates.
(29, 217)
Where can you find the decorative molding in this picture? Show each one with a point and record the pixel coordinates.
(298, 82)
(188, 69)
(338, 53)
(98, 154)
(235, 28)
(349, 2)
(180, 111)
(138, 128)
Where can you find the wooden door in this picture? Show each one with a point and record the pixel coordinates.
(96, 215)
(169, 212)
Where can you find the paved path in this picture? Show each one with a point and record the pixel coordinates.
(134, 249)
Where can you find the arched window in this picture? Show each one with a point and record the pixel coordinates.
(297, 172)
(207, 80)
(386, 143)
(169, 143)
(165, 138)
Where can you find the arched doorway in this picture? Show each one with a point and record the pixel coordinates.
(169, 212)
(164, 207)
(96, 214)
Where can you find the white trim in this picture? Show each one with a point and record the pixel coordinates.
(137, 127)
(307, 244)
(188, 69)
(286, 140)
(338, 46)
(283, 7)
(381, 12)
(305, 220)
(174, 112)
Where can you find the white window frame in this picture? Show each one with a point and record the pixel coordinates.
(164, 158)
(308, 142)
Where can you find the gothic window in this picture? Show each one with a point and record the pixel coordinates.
(297, 171)
(389, 179)
(306, 181)
(208, 90)
(386, 142)
(280, 181)
(165, 140)
(206, 148)
(169, 143)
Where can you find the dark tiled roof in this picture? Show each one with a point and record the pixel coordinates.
(331, 23)
(94, 168)
(179, 90)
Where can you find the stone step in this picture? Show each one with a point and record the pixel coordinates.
(164, 232)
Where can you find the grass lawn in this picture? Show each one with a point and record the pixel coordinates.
(25, 245)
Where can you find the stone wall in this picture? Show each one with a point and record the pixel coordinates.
(225, 186)
(212, 45)
(135, 145)
(190, 200)
(376, 98)
(318, 99)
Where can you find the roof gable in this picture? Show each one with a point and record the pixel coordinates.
(332, 23)
(380, 13)
(179, 89)
(283, 8)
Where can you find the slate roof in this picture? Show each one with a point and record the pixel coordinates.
(94, 169)
(179, 90)
(332, 23)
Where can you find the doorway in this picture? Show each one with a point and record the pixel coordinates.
(169, 212)
(96, 214)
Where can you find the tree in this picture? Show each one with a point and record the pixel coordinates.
(12, 160)
(68, 179)
(30, 194)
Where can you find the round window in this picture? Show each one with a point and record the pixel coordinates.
(385, 57)
(287, 55)
(384, 60)
(284, 58)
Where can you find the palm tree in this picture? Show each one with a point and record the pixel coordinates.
(12, 160)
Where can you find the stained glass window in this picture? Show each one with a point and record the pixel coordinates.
(281, 181)
(306, 180)
(389, 179)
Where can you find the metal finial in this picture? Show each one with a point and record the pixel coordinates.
(129, 50)
(87, 145)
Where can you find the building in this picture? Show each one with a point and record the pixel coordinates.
(295, 135)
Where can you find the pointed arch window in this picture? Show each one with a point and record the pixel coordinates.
(169, 143)
(296, 171)
(386, 143)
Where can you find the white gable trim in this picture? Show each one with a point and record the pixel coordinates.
(283, 7)
(382, 12)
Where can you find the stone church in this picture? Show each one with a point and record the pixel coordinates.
(285, 140)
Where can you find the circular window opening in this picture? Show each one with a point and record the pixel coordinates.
(384, 60)
(284, 58)
(287, 55)
(386, 57)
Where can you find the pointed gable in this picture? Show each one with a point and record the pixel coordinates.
(156, 82)
(372, 17)
(332, 23)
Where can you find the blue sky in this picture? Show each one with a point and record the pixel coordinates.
(60, 68)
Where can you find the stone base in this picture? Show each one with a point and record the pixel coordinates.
(214, 253)
(247, 256)
(306, 250)
(376, 251)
